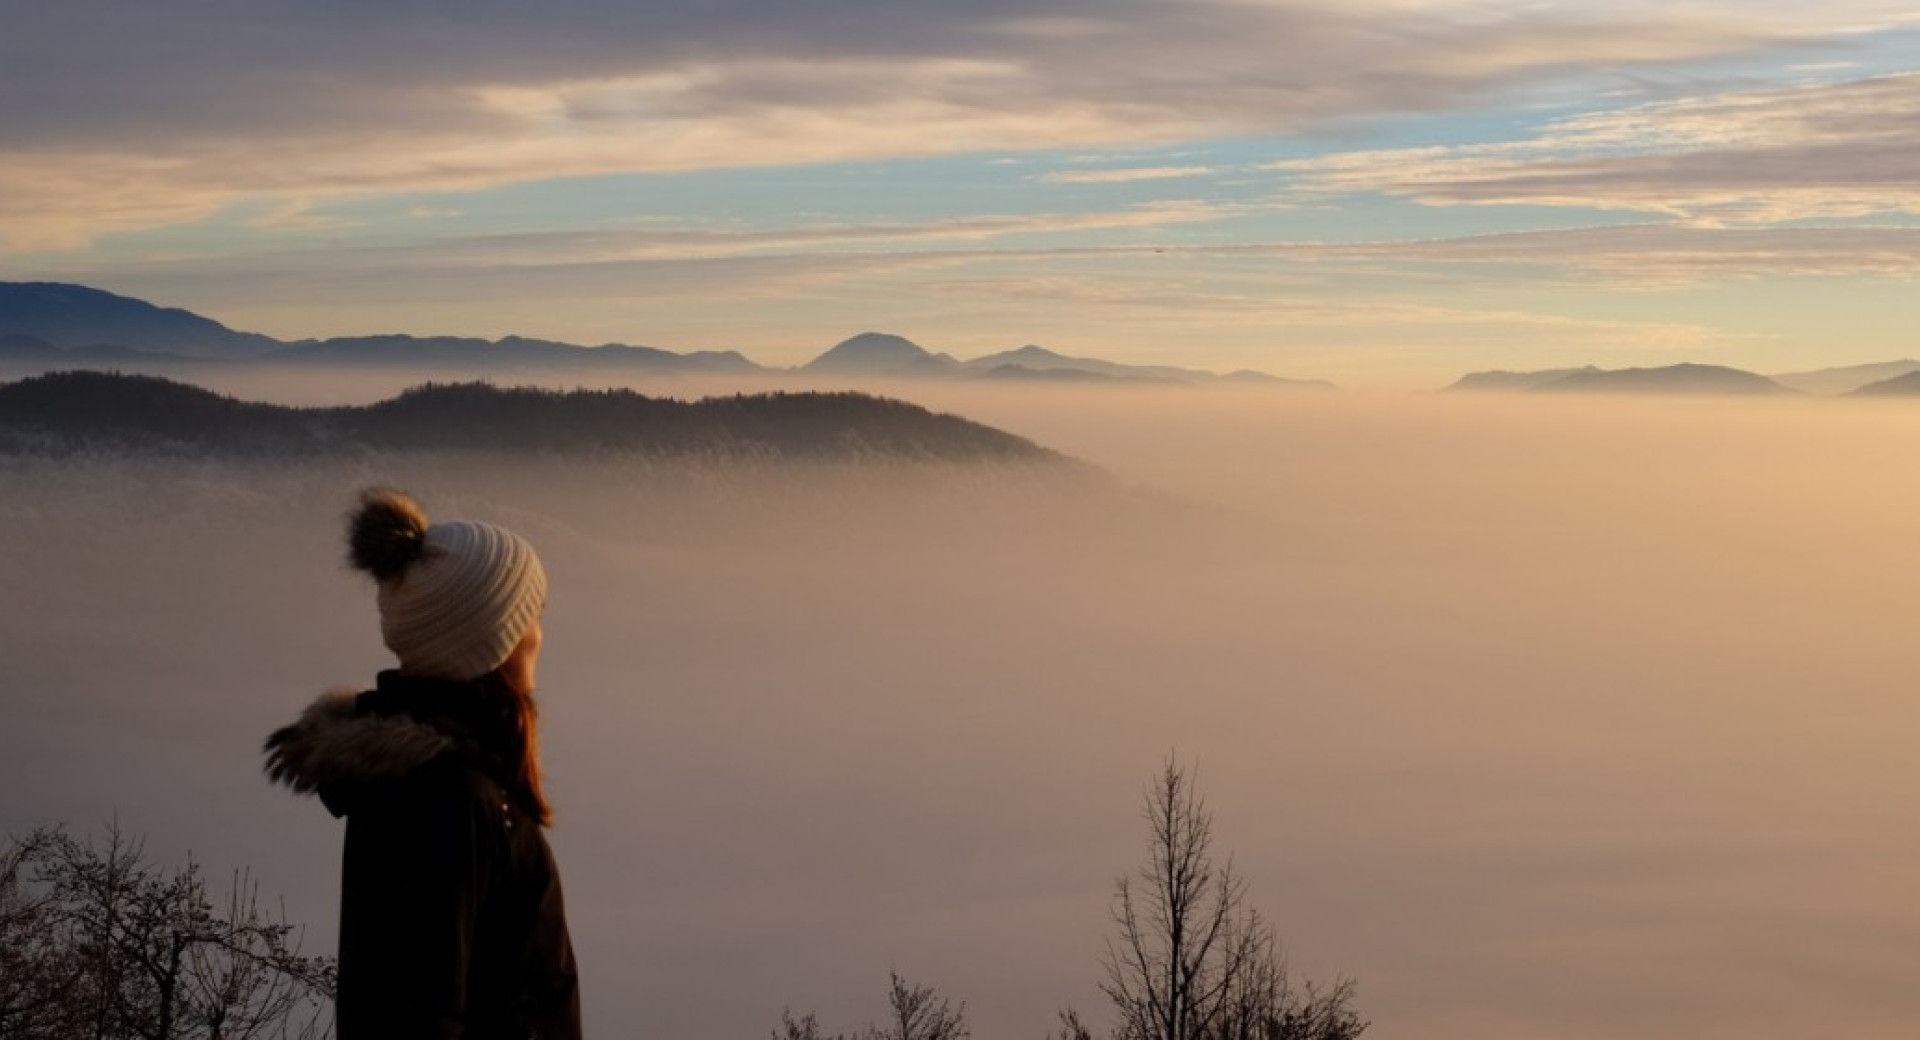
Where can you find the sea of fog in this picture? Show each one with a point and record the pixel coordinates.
(1538, 717)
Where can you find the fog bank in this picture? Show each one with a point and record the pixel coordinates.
(1541, 718)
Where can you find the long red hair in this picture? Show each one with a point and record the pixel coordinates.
(520, 747)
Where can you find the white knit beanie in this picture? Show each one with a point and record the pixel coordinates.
(455, 598)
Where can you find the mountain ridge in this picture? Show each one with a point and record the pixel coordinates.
(1874, 378)
(1684, 379)
(395, 349)
(66, 322)
(69, 316)
(1904, 385)
(66, 413)
(1847, 379)
(881, 354)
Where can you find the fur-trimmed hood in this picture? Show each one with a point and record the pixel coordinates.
(336, 749)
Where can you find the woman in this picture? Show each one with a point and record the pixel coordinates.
(451, 923)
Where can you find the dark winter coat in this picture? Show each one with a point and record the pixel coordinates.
(451, 922)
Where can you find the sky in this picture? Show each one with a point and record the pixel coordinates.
(1377, 192)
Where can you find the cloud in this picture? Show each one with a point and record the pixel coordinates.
(296, 216)
(1658, 256)
(1140, 173)
(119, 116)
(632, 263)
(1831, 150)
(1397, 283)
(1267, 305)
(695, 243)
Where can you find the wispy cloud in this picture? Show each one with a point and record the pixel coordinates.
(1756, 156)
(635, 262)
(1138, 173)
(1257, 307)
(294, 215)
(1377, 284)
(1659, 256)
(699, 243)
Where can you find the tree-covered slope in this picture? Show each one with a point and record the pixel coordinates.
(93, 411)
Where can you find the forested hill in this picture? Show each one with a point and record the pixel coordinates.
(75, 412)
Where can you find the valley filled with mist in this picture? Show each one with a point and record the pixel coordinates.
(1536, 715)
(1467, 444)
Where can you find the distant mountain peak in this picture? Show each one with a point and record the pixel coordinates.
(875, 353)
(1687, 377)
(1907, 384)
(77, 316)
(1035, 356)
(1846, 378)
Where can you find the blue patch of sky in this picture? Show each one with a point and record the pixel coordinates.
(952, 188)
(757, 198)
(1387, 219)
(1881, 53)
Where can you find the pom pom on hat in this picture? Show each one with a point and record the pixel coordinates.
(455, 597)
(386, 534)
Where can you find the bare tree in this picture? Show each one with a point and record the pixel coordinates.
(918, 1013)
(913, 1013)
(1071, 1028)
(39, 970)
(1191, 961)
(101, 942)
(806, 1027)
